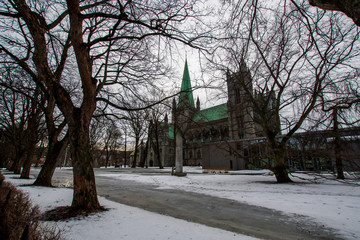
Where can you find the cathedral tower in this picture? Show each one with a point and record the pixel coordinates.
(240, 108)
(186, 98)
(183, 113)
(185, 108)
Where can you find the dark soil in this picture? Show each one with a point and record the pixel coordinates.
(66, 213)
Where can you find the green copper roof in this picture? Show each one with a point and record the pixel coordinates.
(171, 131)
(211, 114)
(186, 90)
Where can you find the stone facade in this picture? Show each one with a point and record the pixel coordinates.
(205, 132)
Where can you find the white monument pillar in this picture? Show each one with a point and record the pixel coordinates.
(179, 156)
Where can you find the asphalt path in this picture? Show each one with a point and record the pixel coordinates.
(208, 210)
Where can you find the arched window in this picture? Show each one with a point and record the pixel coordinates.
(240, 122)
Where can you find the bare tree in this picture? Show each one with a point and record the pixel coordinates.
(339, 100)
(56, 143)
(111, 144)
(111, 40)
(138, 121)
(156, 134)
(21, 116)
(32, 133)
(19, 51)
(349, 7)
(13, 124)
(288, 53)
(45, 106)
(125, 134)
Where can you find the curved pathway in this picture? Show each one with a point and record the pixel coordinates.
(208, 210)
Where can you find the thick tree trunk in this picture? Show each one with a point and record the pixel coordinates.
(25, 173)
(125, 150)
(107, 159)
(144, 155)
(158, 151)
(11, 165)
(48, 169)
(31, 134)
(19, 162)
(281, 174)
(30, 149)
(85, 195)
(17, 168)
(280, 171)
(133, 164)
(337, 147)
(339, 167)
(78, 119)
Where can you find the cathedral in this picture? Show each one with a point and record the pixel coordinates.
(208, 134)
(228, 136)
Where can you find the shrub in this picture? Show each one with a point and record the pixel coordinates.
(18, 218)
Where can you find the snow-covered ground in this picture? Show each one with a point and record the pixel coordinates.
(333, 204)
(120, 221)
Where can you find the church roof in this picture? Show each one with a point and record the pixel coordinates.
(186, 94)
(211, 114)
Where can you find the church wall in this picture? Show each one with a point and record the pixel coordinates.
(199, 134)
(166, 157)
(218, 156)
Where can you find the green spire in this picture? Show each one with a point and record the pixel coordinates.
(186, 95)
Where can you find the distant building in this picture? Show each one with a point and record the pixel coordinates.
(204, 129)
(227, 136)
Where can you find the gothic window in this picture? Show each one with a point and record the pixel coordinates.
(224, 133)
(190, 154)
(237, 95)
(206, 136)
(240, 122)
(214, 133)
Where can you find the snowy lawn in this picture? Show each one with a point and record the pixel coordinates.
(121, 221)
(332, 203)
